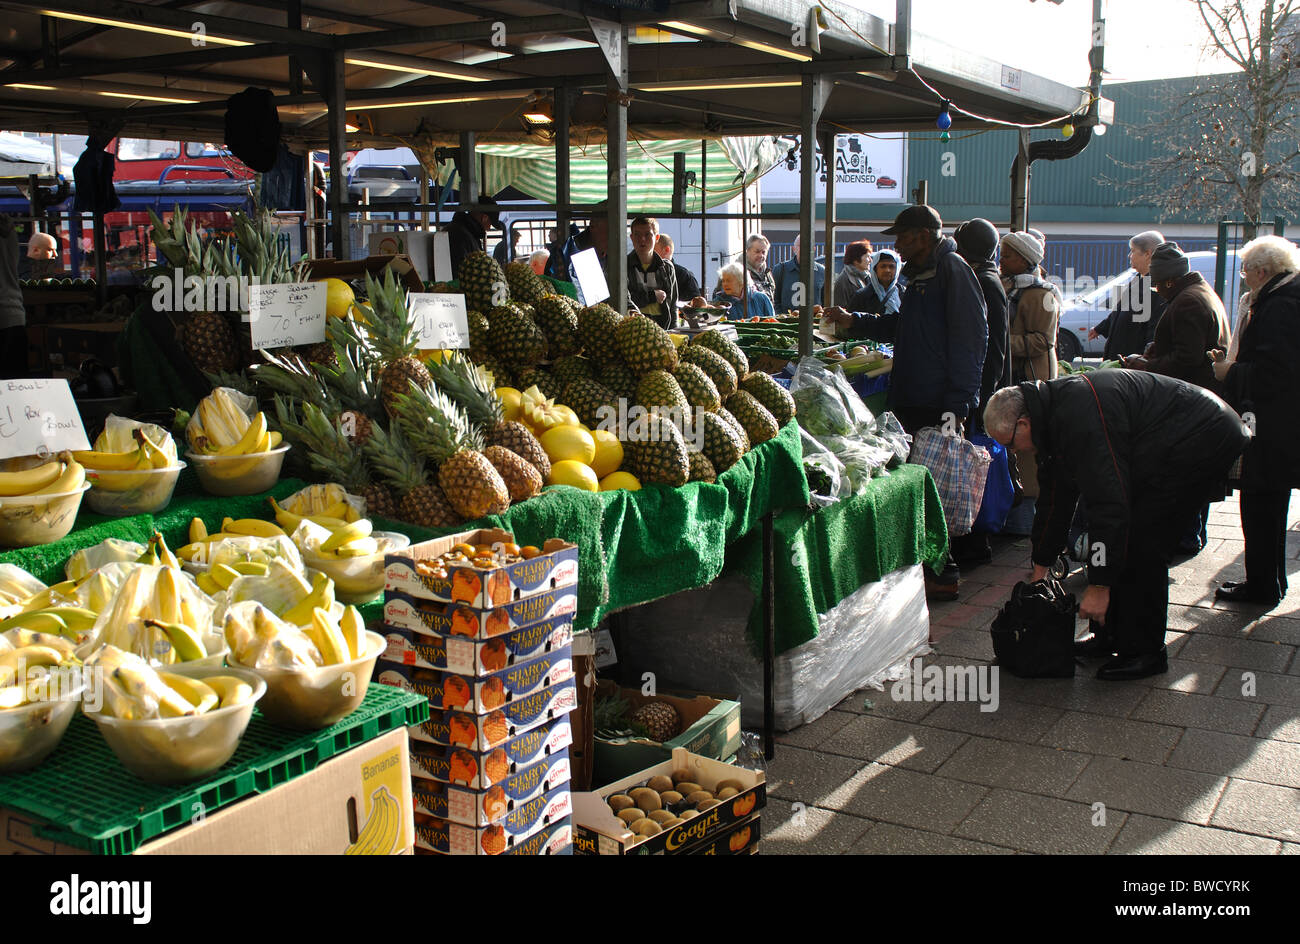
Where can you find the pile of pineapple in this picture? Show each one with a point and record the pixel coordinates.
(441, 440)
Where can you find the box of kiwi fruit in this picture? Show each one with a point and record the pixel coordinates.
(402, 611)
(482, 569)
(422, 650)
(678, 807)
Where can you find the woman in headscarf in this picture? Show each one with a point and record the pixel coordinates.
(882, 294)
(853, 277)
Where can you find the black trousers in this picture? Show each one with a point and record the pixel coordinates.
(1263, 524)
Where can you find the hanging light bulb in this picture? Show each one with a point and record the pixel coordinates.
(944, 121)
(943, 136)
(1099, 130)
(1067, 130)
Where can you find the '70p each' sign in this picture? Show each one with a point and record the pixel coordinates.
(441, 320)
(287, 314)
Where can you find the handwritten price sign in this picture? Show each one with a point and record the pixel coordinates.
(38, 417)
(287, 314)
(440, 319)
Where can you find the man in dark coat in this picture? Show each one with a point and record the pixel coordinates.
(651, 280)
(1263, 384)
(466, 233)
(688, 287)
(1144, 451)
(1131, 325)
(789, 274)
(939, 338)
(977, 241)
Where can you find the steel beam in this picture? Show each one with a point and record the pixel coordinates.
(616, 158)
(479, 31)
(336, 99)
(828, 155)
(816, 91)
(216, 54)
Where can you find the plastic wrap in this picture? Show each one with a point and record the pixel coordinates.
(863, 459)
(152, 593)
(698, 641)
(819, 459)
(825, 402)
(108, 551)
(252, 549)
(891, 432)
(325, 500)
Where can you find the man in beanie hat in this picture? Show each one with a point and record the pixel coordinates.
(1032, 308)
(1193, 327)
(939, 336)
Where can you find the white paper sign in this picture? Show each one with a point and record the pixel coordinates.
(589, 277)
(413, 243)
(442, 257)
(440, 320)
(38, 417)
(287, 314)
(869, 168)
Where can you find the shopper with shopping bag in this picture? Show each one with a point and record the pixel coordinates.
(1144, 450)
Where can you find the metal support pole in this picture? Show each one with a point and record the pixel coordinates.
(337, 120)
(101, 259)
(466, 161)
(424, 199)
(616, 152)
(704, 218)
(769, 639)
(828, 155)
(902, 28)
(563, 111)
(816, 90)
(293, 11)
(1020, 186)
(679, 176)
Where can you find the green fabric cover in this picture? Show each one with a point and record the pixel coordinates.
(145, 369)
(821, 557)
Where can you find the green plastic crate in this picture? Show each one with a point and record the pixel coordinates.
(88, 800)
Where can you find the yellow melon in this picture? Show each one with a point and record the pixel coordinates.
(609, 453)
(568, 442)
(571, 472)
(617, 480)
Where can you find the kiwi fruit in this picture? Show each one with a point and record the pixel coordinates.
(630, 815)
(687, 787)
(660, 783)
(670, 823)
(707, 804)
(646, 827)
(621, 801)
(698, 797)
(671, 797)
(734, 784)
(726, 793)
(660, 816)
(681, 775)
(689, 814)
(647, 799)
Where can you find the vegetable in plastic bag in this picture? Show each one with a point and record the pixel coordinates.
(825, 402)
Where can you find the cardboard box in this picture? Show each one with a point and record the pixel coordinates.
(484, 732)
(323, 812)
(554, 839)
(741, 839)
(422, 650)
(350, 269)
(484, 807)
(479, 771)
(441, 835)
(480, 695)
(476, 586)
(455, 619)
(415, 244)
(711, 729)
(598, 829)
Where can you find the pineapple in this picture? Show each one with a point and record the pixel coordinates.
(722, 444)
(478, 335)
(525, 284)
(570, 368)
(772, 395)
(729, 418)
(586, 397)
(520, 477)
(701, 468)
(439, 430)
(544, 380)
(560, 325)
(421, 503)
(659, 389)
(714, 365)
(210, 342)
(329, 455)
(514, 337)
(660, 720)
(394, 337)
(483, 282)
(699, 390)
(644, 345)
(207, 337)
(619, 378)
(596, 325)
(658, 452)
(730, 351)
(760, 425)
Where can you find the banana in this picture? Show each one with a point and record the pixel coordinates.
(13, 696)
(273, 439)
(99, 592)
(158, 458)
(239, 635)
(324, 632)
(165, 556)
(72, 478)
(167, 596)
(338, 509)
(208, 584)
(327, 521)
(24, 483)
(321, 596)
(362, 547)
(109, 461)
(198, 530)
(251, 441)
(21, 638)
(143, 685)
(37, 621)
(185, 641)
(287, 519)
(255, 527)
(150, 556)
(190, 614)
(251, 568)
(201, 697)
(30, 656)
(230, 690)
(224, 575)
(347, 534)
(50, 596)
(353, 628)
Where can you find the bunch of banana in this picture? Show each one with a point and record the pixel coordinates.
(337, 515)
(280, 589)
(159, 615)
(85, 562)
(130, 469)
(135, 691)
(70, 623)
(200, 548)
(351, 540)
(259, 639)
(26, 661)
(16, 586)
(58, 476)
(220, 427)
(331, 500)
(158, 554)
(219, 577)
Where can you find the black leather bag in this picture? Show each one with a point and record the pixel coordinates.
(1033, 635)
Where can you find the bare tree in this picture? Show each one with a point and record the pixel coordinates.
(1228, 148)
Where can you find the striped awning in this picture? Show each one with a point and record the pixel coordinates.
(733, 163)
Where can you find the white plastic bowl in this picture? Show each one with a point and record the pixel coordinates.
(131, 493)
(239, 475)
(358, 579)
(31, 733)
(311, 699)
(177, 750)
(28, 520)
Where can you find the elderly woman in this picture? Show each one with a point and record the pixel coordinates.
(853, 277)
(1263, 385)
(731, 280)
